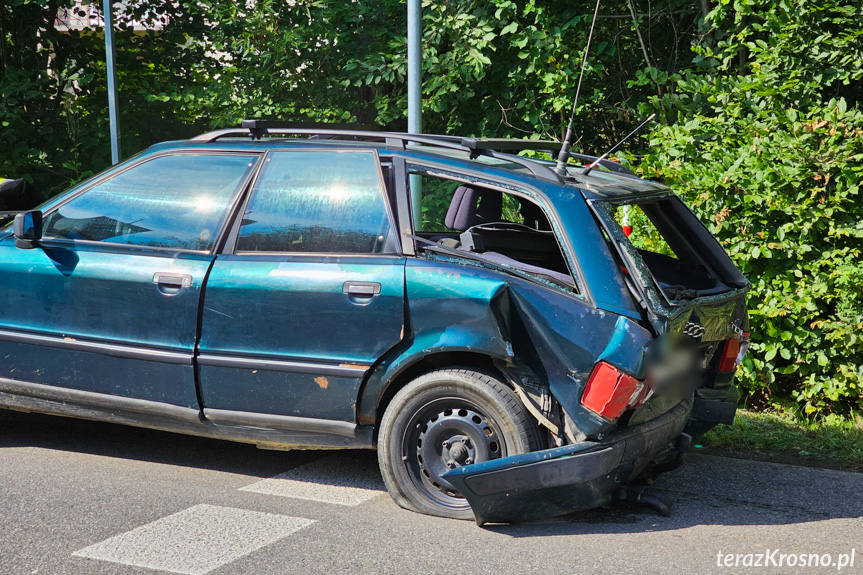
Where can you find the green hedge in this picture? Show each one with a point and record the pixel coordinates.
(774, 165)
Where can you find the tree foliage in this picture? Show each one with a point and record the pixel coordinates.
(768, 149)
(758, 101)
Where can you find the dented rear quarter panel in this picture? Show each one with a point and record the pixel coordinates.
(461, 307)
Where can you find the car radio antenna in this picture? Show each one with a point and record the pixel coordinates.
(597, 161)
(563, 155)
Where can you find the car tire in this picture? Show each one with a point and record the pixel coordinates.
(446, 419)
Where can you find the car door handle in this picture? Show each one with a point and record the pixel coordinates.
(361, 289)
(172, 280)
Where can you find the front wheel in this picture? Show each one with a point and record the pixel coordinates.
(443, 420)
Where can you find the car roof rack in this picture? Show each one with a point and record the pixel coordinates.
(506, 144)
(490, 147)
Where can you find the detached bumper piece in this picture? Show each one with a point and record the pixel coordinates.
(556, 481)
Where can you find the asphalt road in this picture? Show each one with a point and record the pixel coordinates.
(79, 498)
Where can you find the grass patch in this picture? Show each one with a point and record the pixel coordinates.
(781, 439)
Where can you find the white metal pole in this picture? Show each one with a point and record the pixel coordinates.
(113, 112)
(414, 66)
(415, 92)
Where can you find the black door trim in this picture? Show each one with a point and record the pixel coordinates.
(291, 433)
(343, 370)
(99, 400)
(112, 349)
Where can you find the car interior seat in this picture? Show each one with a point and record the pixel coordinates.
(532, 247)
(472, 206)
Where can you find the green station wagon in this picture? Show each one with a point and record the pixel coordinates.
(515, 341)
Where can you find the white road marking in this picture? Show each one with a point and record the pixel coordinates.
(336, 479)
(197, 540)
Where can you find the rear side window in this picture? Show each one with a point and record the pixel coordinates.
(176, 202)
(486, 223)
(316, 202)
(436, 196)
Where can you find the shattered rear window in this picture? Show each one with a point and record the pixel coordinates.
(641, 231)
(670, 247)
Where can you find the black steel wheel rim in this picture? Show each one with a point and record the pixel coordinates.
(443, 435)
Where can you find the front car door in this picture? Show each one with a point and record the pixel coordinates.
(309, 296)
(106, 307)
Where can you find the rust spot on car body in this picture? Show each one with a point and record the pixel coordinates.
(354, 365)
(322, 382)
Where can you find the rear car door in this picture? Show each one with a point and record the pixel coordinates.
(308, 296)
(108, 302)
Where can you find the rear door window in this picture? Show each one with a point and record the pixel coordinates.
(177, 202)
(504, 229)
(317, 202)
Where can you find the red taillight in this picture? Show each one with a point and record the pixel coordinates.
(609, 392)
(729, 355)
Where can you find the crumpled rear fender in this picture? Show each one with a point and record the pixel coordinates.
(447, 312)
(556, 335)
(439, 342)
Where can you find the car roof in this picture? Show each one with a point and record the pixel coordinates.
(597, 184)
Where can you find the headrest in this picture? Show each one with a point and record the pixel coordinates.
(533, 215)
(471, 206)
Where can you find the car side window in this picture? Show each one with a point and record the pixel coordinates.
(504, 229)
(177, 202)
(436, 196)
(316, 202)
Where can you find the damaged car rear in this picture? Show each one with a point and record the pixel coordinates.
(516, 341)
(613, 321)
(628, 391)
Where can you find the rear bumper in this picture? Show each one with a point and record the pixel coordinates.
(556, 481)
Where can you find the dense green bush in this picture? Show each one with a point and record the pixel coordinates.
(772, 160)
(53, 88)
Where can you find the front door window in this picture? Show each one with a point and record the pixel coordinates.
(175, 202)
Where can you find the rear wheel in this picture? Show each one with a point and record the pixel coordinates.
(443, 420)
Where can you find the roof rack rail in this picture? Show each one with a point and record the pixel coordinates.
(395, 140)
(548, 146)
(475, 147)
